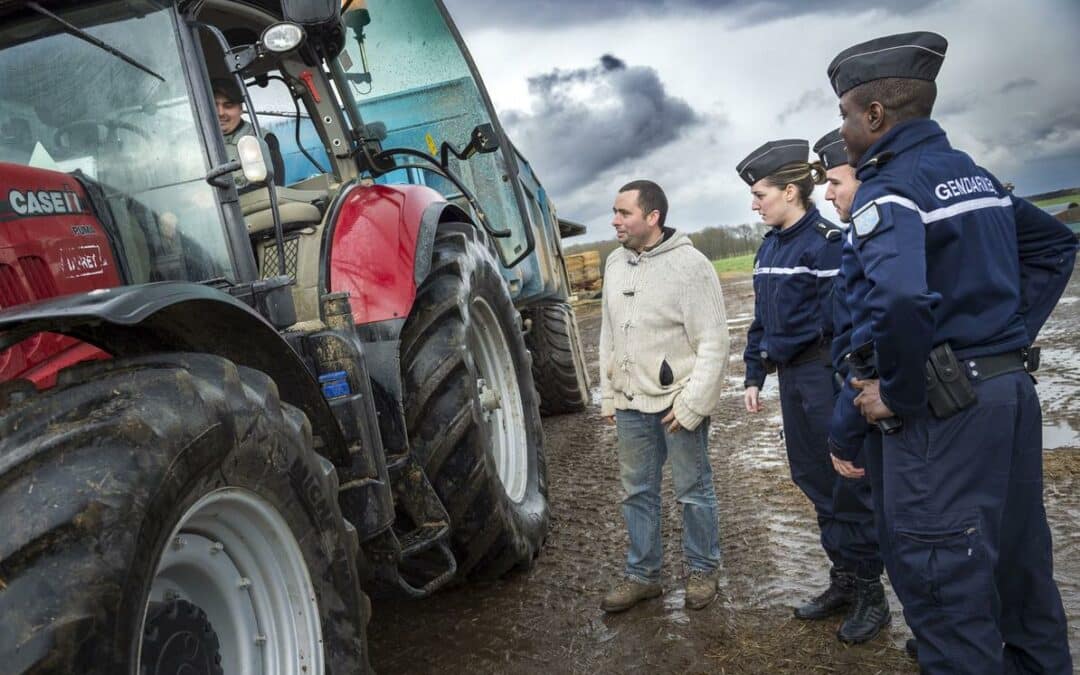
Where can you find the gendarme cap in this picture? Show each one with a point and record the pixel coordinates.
(768, 158)
(831, 149)
(916, 56)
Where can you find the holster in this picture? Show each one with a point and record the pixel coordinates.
(948, 390)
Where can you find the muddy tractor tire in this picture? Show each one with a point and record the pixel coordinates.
(558, 366)
(471, 407)
(167, 514)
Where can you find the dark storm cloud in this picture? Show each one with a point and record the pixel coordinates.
(963, 102)
(812, 99)
(610, 62)
(955, 106)
(1050, 131)
(525, 14)
(1021, 83)
(588, 120)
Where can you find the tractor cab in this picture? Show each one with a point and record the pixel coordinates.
(99, 92)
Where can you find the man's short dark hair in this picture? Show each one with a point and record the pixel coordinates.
(651, 197)
(227, 89)
(905, 98)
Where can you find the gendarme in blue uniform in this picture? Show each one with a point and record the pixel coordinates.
(794, 272)
(793, 275)
(940, 253)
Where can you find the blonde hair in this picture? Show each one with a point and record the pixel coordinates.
(803, 175)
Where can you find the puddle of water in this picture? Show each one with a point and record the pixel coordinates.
(1059, 380)
(1060, 435)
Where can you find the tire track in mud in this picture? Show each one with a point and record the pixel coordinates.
(547, 619)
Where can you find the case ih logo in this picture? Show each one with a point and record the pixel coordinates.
(82, 261)
(33, 203)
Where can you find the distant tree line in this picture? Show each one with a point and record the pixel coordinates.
(723, 241)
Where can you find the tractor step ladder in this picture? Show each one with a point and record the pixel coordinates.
(416, 497)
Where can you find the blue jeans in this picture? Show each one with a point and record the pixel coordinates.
(644, 446)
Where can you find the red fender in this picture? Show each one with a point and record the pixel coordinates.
(375, 236)
(50, 244)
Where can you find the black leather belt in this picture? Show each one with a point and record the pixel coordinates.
(986, 367)
(815, 352)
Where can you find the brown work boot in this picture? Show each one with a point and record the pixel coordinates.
(627, 593)
(700, 588)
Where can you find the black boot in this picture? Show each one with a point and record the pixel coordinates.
(912, 648)
(869, 615)
(839, 594)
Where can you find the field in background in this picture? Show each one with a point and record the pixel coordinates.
(735, 265)
(1054, 198)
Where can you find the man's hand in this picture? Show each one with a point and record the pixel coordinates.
(846, 468)
(610, 419)
(672, 423)
(750, 399)
(869, 401)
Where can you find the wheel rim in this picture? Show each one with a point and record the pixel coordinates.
(502, 410)
(233, 555)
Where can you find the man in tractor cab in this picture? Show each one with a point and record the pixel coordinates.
(229, 102)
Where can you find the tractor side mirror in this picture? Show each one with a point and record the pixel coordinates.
(483, 140)
(375, 131)
(254, 156)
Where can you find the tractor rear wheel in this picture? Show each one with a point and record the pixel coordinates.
(167, 514)
(558, 361)
(471, 407)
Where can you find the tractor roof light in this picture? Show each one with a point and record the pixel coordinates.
(282, 37)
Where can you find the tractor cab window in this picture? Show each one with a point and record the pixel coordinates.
(121, 120)
(302, 154)
(404, 67)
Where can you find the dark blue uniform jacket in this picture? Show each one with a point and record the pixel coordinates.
(940, 252)
(793, 276)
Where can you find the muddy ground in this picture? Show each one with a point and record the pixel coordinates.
(547, 619)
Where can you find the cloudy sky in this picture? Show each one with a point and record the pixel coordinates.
(599, 92)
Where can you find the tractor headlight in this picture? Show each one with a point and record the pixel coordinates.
(282, 37)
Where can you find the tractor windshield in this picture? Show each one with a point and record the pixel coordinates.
(403, 66)
(122, 122)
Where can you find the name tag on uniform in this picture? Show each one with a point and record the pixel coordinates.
(866, 221)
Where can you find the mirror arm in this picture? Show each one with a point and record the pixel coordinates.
(447, 150)
(217, 175)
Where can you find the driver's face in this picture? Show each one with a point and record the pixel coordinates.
(228, 114)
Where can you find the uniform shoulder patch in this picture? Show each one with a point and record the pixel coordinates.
(828, 230)
(865, 222)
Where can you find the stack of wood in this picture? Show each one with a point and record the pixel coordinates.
(584, 272)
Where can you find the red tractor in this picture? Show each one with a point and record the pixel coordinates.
(229, 400)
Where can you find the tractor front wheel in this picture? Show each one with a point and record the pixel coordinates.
(471, 407)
